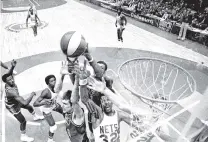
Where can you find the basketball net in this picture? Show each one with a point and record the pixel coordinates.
(157, 83)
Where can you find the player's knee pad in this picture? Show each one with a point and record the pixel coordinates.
(53, 128)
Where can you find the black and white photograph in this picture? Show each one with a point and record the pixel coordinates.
(104, 71)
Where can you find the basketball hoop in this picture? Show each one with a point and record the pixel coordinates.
(157, 83)
(155, 80)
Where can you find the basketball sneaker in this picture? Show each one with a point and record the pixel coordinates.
(37, 117)
(14, 72)
(25, 138)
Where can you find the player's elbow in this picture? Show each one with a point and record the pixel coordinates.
(24, 103)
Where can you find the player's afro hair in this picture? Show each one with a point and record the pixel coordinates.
(67, 95)
(4, 77)
(47, 78)
(104, 63)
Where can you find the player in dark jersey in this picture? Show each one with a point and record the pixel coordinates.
(74, 115)
(14, 102)
(100, 69)
(32, 15)
(106, 127)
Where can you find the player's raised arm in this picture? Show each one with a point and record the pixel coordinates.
(3, 65)
(97, 69)
(75, 91)
(101, 87)
(60, 78)
(11, 70)
(91, 106)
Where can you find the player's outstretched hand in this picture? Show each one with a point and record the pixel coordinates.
(64, 68)
(96, 85)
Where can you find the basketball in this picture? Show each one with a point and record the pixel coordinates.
(73, 44)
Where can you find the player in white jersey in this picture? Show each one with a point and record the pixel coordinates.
(32, 15)
(47, 103)
(121, 22)
(106, 127)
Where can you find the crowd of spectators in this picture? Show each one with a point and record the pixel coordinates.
(175, 10)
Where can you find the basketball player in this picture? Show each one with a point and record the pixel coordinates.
(106, 127)
(74, 114)
(14, 102)
(100, 69)
(47, 103)
(121, 22)
(32, 14)
(128, 114)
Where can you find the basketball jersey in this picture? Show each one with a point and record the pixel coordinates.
(75, 132)
(48, 108)
(120, 21)
(108, 130)
(32, 21)
(32, 16)
(10, 100)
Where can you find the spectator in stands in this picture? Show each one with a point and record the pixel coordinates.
(186, 20)
(204, 23)
(165, 16)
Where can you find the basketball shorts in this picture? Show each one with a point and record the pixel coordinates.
(121, 27)
(49, 117)
(14, 109)
(33, 24)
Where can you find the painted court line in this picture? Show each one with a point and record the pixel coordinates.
(36, 2)
(158, 138)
